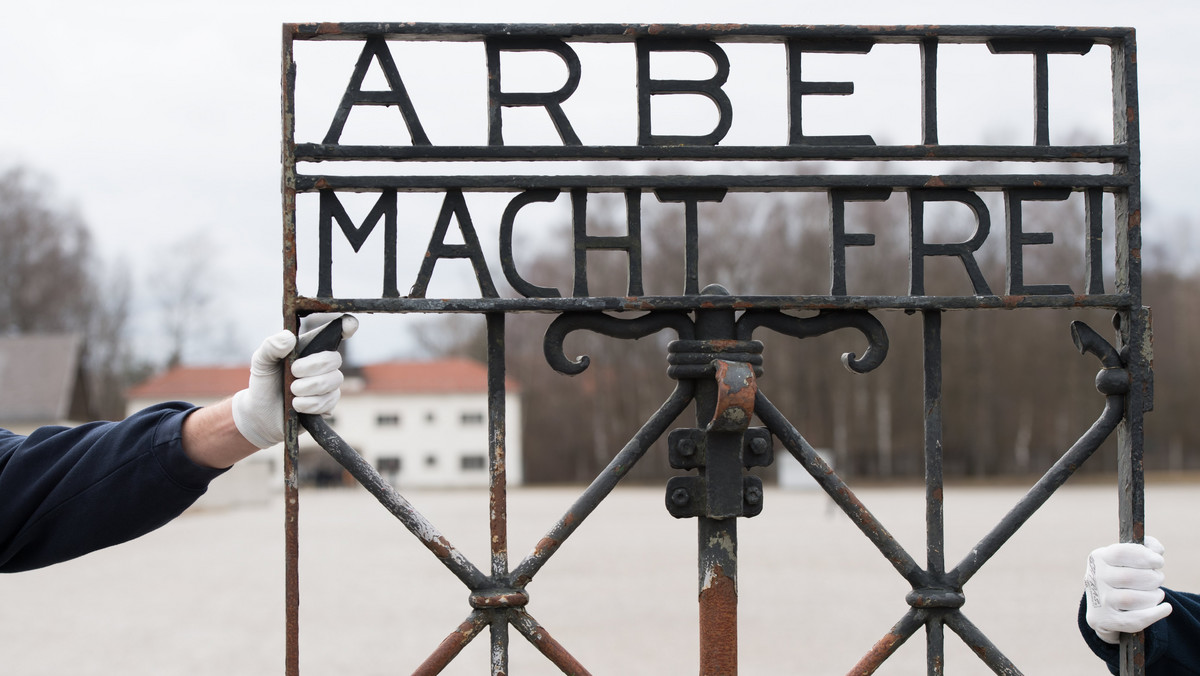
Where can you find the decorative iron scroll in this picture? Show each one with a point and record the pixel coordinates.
(715, 359)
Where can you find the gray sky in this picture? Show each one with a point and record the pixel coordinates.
(159, 120)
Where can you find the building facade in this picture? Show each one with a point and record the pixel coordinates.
(421, 424)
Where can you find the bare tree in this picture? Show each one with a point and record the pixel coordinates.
(52, 282)
(1016, 394)
(182, 291)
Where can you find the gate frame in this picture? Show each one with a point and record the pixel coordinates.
(1132, 321)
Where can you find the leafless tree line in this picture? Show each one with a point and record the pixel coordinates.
(1016, 392)
(52, 281)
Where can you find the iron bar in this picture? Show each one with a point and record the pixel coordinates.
(604, 483)
(544, 642)
(291, 454)
(718, 597)
(395, 503)
(837, 489)
(716, 531)
(453, 644)
(1054, 478)
(935, 645)
(929, 121)
(727, 32)
(934, 521)
(731, 182)
(1134, 328)
(980, 643)
(935, 526)
(499, 651)
(885, 647)
(327, 152)
(498, 481)
(685, 303)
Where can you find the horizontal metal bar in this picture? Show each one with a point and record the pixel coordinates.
(318, 152)
(721, 32)
(736, 183)
(308, 305)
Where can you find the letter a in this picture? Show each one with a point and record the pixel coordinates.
(376, 48)
(454, 206)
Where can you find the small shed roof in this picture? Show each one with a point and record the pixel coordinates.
(441, 376)
(39, 377)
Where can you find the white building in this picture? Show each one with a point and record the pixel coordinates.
(420, 424)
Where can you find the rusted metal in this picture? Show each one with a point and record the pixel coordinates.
(718, 623)
(452, 645)
(500, 599)
(544, 642)
(890, 643)
(291, 455)
(715, 359)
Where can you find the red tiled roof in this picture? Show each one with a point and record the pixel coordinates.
(444, 376)
(183, 382)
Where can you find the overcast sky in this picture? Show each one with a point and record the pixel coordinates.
(160, 120)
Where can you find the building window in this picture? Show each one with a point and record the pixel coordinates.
(388, 464)
(430, 417)
(387, 420)
(472, 418)
(473, 463)
(431, 460)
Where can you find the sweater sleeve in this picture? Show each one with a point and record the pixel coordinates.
(67, 491)
(1172, 643)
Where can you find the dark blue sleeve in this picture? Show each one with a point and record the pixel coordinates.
(1172, 643)
(67, 491)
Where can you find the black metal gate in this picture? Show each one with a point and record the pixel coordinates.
(715, 360)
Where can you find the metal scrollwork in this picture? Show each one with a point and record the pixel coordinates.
(607, 325)
(825, 322)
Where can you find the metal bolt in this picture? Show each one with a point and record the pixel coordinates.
(753, 495)
(687, 447)
(681, 497)
(759, 446)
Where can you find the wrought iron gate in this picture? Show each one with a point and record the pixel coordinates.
(716, 360)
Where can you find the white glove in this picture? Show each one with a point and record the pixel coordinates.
(258, 409)
(1122, 584)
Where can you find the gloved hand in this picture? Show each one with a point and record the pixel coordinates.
(258, 409)
(1122, 584)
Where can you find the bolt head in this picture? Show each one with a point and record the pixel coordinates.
(687, 447)
(680, 497)
(759, 446)
(753, 495)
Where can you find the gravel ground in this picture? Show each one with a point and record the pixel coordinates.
(205, 594)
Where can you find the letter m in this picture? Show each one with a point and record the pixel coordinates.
(332, 210)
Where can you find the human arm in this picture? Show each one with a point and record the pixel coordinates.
(218, 436)
(67, 491)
